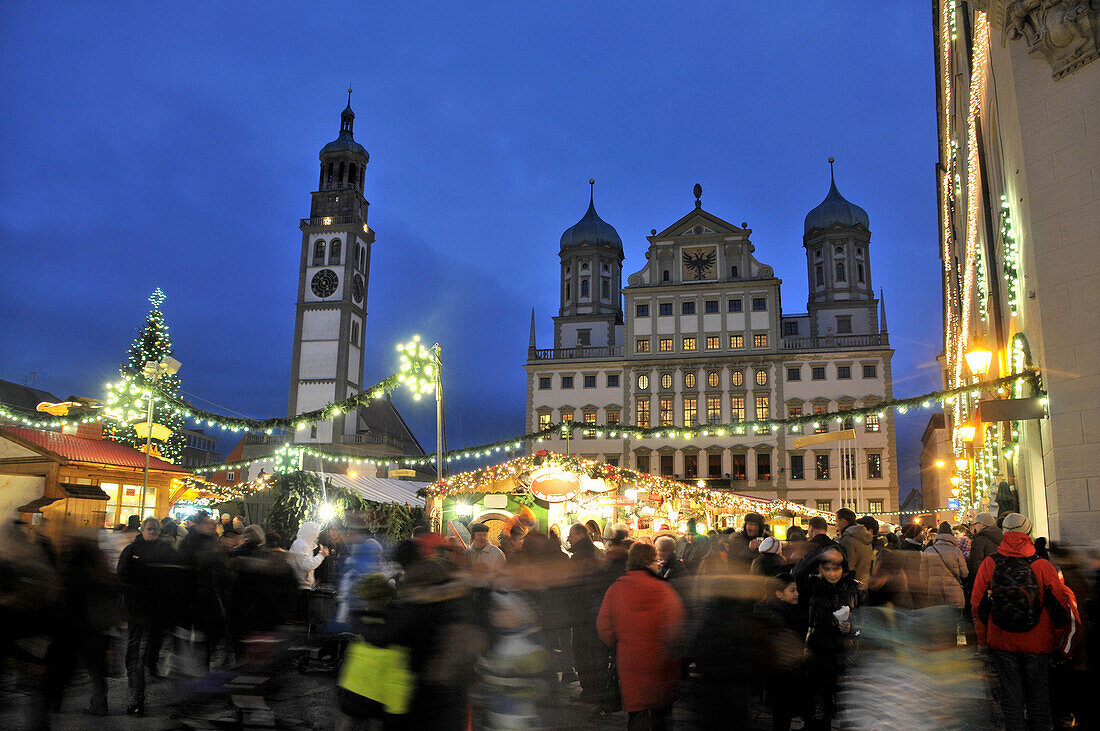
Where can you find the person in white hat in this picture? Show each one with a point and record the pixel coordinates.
(770, 561)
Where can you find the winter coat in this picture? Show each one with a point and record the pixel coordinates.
(145, 571)
(301, 557)
(769, 564)
(825, 637)
(780, 615)
(807, 565)
(641, 618)
(692, 554)
(983, 544)
(206, 570)
(856, 544)
(1044, 637)
(943, 573)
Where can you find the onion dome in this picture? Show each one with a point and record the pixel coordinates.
(345, 142)
(591, 229)
(836, 210)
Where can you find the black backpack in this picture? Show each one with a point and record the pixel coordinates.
(1013, 593)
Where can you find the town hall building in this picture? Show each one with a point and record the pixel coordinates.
(698, 336)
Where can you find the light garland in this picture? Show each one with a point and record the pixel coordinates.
(1011, 256)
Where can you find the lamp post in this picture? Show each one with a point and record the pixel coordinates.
(153, 370)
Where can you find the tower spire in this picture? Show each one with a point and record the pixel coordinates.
(531, 343)
(882, 311)
(347, 117)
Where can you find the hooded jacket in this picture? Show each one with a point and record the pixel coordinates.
(856, 544)
(145, 571)
(983, 544)
(1044, 637)
(641, 618)
(943, 572)
(301, 555)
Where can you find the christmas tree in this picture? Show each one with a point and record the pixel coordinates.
(127, 400)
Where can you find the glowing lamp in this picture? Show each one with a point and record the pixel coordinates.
(967, 431)
(464, 509)
(978, 360)
(955, 480)
(327, 512)
(961, 464)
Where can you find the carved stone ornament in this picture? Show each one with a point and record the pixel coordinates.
(1064, 33)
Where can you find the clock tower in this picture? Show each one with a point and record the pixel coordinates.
(327, 364)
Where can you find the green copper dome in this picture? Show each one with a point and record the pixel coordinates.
(591, 229)
(836, 210)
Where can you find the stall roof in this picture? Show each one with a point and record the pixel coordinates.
(75, 448)
(379, 489)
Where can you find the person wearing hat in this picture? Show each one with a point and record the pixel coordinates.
(1023, 612)
(985, 537)
(483, 557)
(745, 543)
(770, 560)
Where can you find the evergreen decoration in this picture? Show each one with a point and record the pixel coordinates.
(128, 401)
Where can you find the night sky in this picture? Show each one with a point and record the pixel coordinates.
(175, 145)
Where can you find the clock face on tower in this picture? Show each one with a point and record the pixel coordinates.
(357, 288)
(324, 283)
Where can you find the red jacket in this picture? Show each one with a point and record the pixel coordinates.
(1044, 637)
(641, 619)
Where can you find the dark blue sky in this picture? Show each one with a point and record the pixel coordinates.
(175, 145)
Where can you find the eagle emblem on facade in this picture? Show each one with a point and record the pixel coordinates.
(699, 263)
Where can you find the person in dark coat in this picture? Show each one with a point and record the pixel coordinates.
(769, 561)
(743, 544)
(985, 538)
(206, 568)
(143, 569)
(693, 548)
(834, 595)
(785, 681)
(589, 581)
(819, 540)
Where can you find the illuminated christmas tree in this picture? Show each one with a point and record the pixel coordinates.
(127, 401)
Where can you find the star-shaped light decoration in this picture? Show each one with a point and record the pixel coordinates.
(419, 367)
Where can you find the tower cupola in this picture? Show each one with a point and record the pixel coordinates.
(344, 161)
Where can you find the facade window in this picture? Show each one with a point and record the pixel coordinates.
(872, 423)
(843, 324)
(735, 305)
(759, 304)
(761, 377)
(848, 466)
(687, 308)
(229, 477)
(763, 466)
(794, 412)
(691, 466)
(790, 328)
(737, 378)
(567, 381)
(714, 410)
(689, 343)
(313, 431)
(874, 466)
(545, 383)
(821, 466)
(733, 272)
(840, 272)
(612, 416)
(334, 252)
(666, 275)
(844, 372)
(665, 345)
(794, 374)
(589, 381)
(584, 288)
(737, 408)
(859, 268)
(870, 371)
(589, 418)
(642, 414)
(798, 469)
(666, 465)
(760, 340)
(319, 253)
(664, 407)
(848, 422)
(737, 341)
(876, 507)
(714, 463)
(666, 380)
(689, 380)
(612, 380)
(544, 421)
(584, 337)
(354, 332)
(613, 461)
(712, 306)
(819, 276)
(817, 373)
(713, 342)
(641, 310)
(712, 379)
(691, 410)
(641, 462)
(762, 410)
(605, 289)
(567, 417)
(737, 466)
(826, 505)
(641, 346)
(568, 292)
(643, 382)
(665, 308)
(822, 426)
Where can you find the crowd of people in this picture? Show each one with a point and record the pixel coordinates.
(528, 629)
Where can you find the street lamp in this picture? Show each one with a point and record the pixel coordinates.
(153, 370)
(978, 359)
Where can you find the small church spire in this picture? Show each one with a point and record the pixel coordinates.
(347, 117)
(882, 311)
(831, 160)
(531, 344)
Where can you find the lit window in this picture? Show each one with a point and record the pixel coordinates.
(712, 306)
(643, 382)
(817, 373)
(689, 380)
(567, 381)
(589, 418)
(737, 408)
(794, 412)
(545, 382)
(713, 342)
(544, 421)
(737, 466)
(822, 426)
(664, 406)
(687, 308)
(737, 341)
(875, 506)
(714, 410)
(589, 381)
(666, 380)
(737, 378)
(641, 311)
(689, 343)
(759, 304)
(874, 466)
(760, 340)
(691, 410)
(735, 305)
(665, 345)
(848, 466)
(641, 346)
(612, 416)
(712, 379)
(871, 423)
(567, 417)
(844, 372)
(870, 371)
(665, 308)
(762, 410)
(826, 505)
(821, 466)
(761, 377)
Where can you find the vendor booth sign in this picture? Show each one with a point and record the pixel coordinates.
(554, 485)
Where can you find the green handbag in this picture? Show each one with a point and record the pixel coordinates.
(379, 673)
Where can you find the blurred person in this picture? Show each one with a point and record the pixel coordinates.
(871, 525)
(962, 539)
(226, 524)
(305, 554)
(796, 546)
(944, 572)
(482, 557)
(744, 543)
(252, 542)
(669, 565)
(588, 583)
(891, 542)
(1071, 676)
(834, 595)
(819, 541)
(784, 686)
(641, 619)
(985, 538)
(262, 593)
(618, 544)
(332, 568)
(1041, 549)
(511, 538)
(170, 533)
(239, 524)
(366, 559)
(855, 541)
(144, 568)
(692, 548)
(769, 560)
(513, 671)
(203, 592)
(889, 583)
(1023, 612)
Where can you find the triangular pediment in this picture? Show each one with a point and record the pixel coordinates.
(698, 222)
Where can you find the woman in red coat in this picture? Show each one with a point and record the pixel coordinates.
(641, 618)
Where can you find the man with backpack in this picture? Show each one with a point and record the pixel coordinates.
(1023, 613)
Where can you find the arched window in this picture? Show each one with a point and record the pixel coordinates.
(340, 176)
(840, 272)
(353, 174)
(319, 253)
(605, 289)
(334, 252)
(354, 332)
(584, 288)
(328, 177)
(819, 275)
(362, 257)
(321, 182)
(859, 269)
(568, 293)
